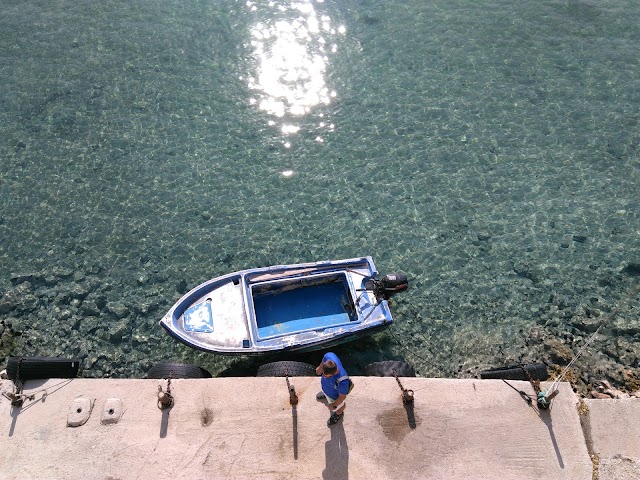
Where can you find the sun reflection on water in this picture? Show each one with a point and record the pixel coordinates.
(292, 43)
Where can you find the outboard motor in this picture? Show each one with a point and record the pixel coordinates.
(388, 286)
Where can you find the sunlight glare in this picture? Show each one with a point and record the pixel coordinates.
(291, 62)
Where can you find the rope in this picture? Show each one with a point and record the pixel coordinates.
(605, 320)
(522, 393)
(31, 395)
(554, 386)
(49, 387)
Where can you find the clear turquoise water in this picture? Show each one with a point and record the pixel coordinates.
(487, 149)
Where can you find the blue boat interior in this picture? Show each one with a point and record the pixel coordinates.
(297, 305)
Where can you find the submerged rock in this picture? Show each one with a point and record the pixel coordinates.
(145, 307)
(632, 269)
(62, 272)
(118, 309)
(586, 324)
(78, 291)
(118, 331)
(558, 351)
(34, 278)
(89, 308)
(181, 287)
(19, 299)
(89, 324)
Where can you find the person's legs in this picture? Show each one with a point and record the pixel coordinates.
(337, 414)
(340, 408)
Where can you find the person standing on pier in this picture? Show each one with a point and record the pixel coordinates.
(335, 384)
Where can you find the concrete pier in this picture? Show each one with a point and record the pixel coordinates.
(240, 428)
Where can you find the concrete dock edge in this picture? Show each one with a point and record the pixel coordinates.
(246, 428)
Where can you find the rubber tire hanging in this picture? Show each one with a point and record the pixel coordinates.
(538, 371)
(284, 368)
(177, 370)
(32, 368)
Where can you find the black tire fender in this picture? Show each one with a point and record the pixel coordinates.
(32, 368)
(538, 371)
(286, 368)
(177, 370)
(389, 368)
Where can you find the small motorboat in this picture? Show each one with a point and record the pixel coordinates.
(298, 307)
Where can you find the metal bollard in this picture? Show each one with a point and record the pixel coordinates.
(407, 395)
(165, 399)
(293, 397)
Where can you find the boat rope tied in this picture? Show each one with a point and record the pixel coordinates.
(632, 293)
(165, 399)
(407, 395)
(18, 398)
(522, 393)
(543, 399)
(293, 397)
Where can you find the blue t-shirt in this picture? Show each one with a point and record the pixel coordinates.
(329, 384)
